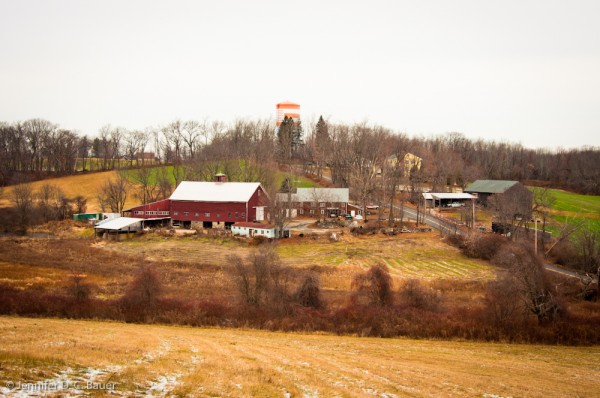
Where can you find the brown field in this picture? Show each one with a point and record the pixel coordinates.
(147, 360)
(87, 185)
(197, 267)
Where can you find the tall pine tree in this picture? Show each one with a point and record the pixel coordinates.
(289, 138)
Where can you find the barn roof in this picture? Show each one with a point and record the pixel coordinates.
(490, 186)
(118, 223)
(454, 195)
(202, 191)
(318, 195)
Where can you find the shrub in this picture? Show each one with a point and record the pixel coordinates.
(373, 286)
(141, 299)
(78, 289)
(484, 246)
(309, 292)
(262, 280)
(258, 240)
(414, 294)
(528, 276)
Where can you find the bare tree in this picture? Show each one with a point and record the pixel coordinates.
(543, 200)
(164, 182)
(375, 285)
(135, 142)
(113, 193)
(49, 198)
(528, 275)
(145, 178)
(22, 197)
(262, 280)
(191, 132)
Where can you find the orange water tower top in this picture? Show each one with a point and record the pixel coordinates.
(288, 109)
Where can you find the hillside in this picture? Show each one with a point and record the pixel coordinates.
(574, 209)
(178, 361)
(87, 185)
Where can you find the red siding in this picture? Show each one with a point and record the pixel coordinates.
(217, 211)
(259, 198)
(197, 211)
(160, 206)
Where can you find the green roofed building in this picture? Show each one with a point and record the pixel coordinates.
(509, 197)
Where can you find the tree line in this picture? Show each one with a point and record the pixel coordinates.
(354, 153)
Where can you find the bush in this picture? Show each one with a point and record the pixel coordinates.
(309, 292)
(141, 299)
(78, 289)
(527, 274)
(415, 295)
(373, 286)
(258, 240)
(484, 246)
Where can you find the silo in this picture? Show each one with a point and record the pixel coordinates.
(288, 109)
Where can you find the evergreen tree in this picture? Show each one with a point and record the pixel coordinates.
(289, 138)
(322, 134)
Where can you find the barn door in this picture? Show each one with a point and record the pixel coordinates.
(260, 213)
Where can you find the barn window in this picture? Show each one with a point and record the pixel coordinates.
(218, 215)
(228, 215)
(313, 204)
(301, 211)
(312, 211)
(206, 214)
(236, 214)
(139, 212)
(186, 213)
(243, 214)
(322, 204)
(176, 213)
(196, 214)
(322, 211)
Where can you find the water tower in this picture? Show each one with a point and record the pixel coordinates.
(288, 109)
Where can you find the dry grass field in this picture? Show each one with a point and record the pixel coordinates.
(197, 267)
(142, 360)
(86, 185)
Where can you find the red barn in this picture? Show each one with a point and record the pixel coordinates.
(220, 202)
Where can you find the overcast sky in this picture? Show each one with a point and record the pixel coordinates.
(518, 71)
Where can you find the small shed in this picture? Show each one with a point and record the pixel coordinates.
(252, 229)
(428, 200)
(451, 200)
(87, 216)
(118, 225)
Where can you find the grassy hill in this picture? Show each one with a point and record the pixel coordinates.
(183, 361)
(575, 208)
(88, 185)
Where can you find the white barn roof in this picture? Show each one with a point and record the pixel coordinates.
(202, 191)
(118, 223)
(445, 195)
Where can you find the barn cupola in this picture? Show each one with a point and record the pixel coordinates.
(220, 178)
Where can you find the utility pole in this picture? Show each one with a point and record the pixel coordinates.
(535, 244)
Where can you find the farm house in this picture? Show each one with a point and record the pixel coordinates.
(317, 201)
(217, 204)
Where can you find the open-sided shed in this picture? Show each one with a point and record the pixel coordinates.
(117, 225)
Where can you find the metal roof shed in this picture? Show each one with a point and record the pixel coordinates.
(119, 224)
(490, 186)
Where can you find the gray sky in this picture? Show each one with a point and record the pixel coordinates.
(518, 71)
